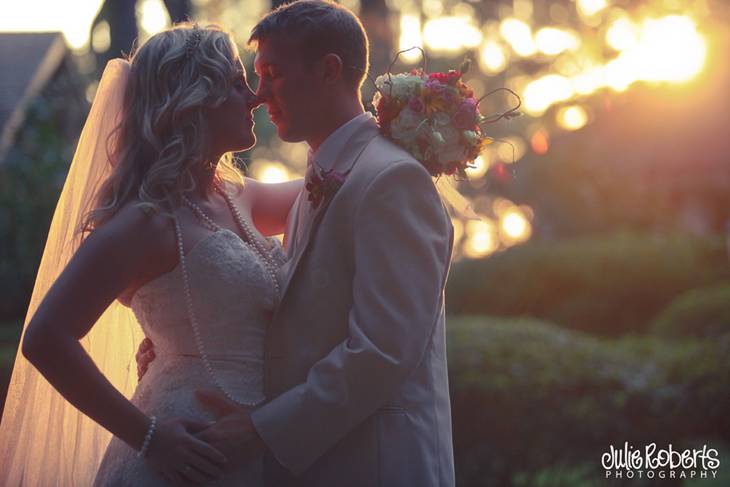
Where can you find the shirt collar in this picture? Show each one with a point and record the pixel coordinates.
(328, 152)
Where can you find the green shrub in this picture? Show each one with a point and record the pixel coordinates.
(607, 286)
(532, 400)
(9, 337)
(32, 174)
(700, 313)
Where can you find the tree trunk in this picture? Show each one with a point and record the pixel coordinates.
(179, 10)
(120, 15)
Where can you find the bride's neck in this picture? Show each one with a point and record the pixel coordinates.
(205, 182)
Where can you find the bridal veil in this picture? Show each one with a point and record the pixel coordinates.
(44, 440)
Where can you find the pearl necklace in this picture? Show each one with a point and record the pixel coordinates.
(251, 240)
(258, 248)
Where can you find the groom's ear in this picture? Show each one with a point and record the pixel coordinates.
(331, 68)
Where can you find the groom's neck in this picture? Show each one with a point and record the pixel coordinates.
(334, 118)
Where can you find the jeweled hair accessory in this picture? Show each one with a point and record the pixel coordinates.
(435, 116)
(192, 42)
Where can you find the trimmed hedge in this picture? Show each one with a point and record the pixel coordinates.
(533, 400)
(699, 313)
(535, 404)
(604, 285)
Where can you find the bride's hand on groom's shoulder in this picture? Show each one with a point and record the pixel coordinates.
(182, 458)
(233, 433)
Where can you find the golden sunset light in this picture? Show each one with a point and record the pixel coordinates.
(479, 168)
(493, 58)
(514, 226)
(354, 242)
(656, 44)
(451, 34)
(481, 238)
(270, 171)
(39, 15)
(519, 35)
(572, 117)
(410, 36)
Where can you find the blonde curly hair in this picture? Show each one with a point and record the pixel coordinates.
(163, 136)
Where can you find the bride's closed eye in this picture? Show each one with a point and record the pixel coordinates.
(239, 81)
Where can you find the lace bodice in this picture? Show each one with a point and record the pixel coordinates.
(232, 295)
(234, 298)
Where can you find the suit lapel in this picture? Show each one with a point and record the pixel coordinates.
(291, 223)
(345, 161)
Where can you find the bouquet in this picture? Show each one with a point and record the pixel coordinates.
(435, 117)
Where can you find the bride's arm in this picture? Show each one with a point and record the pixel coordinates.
(271, 202)
(97, 273)
(109, 260)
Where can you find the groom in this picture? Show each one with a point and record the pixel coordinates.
(355, 357)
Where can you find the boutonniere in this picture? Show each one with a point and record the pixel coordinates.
(323, 185)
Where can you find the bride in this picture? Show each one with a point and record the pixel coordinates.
(154, 229)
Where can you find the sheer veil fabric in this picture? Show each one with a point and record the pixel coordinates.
(44, 440)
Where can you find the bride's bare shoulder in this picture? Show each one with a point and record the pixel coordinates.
(140, 229)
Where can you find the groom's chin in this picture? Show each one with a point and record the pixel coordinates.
(288, 135)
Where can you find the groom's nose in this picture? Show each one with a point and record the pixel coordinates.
(261, 92)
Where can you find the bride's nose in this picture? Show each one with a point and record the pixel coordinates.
(254, 101)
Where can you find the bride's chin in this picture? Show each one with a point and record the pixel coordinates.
(245, 141)
(247, 144)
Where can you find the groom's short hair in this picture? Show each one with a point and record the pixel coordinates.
(320, 27)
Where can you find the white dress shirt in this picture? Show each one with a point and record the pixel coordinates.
(324, 158)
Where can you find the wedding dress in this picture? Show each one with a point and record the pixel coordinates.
(45, 440)
(234, 297)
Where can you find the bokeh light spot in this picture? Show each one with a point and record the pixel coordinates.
(572, 117)
(270, 171)
(493, 58)
(540, 142)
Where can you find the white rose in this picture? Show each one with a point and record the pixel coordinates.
(450, 153)
(452, 149)
(406, 125)
(403, 85)
(451, 135)
(441, 119)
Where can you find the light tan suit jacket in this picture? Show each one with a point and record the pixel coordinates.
(355, 363)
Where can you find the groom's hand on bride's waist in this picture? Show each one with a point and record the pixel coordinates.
(144, 357)
(233, 433)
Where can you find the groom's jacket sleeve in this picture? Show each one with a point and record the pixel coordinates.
(402, 240)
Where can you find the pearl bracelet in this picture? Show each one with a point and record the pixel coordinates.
(148, 437)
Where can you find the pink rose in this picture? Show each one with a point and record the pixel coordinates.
(466, 115)
(434, 85)
(448, 78)
(416, 105)
(470, 102)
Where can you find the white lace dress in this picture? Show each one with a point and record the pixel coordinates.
(233, 297)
